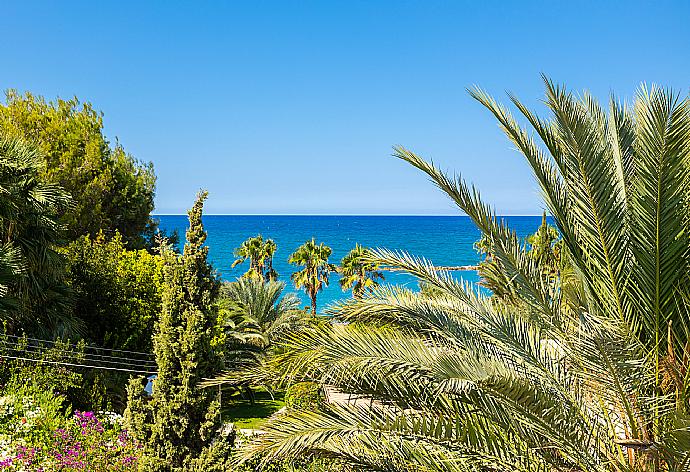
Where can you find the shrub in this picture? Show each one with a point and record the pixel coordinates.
(36, 434)
(44, 373)
(303, 465)
(117, 291)
(29, 415)
(216, 457)
(46, 441)
(304, 396)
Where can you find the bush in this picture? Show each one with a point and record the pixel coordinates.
(28, 415)
(304, 396)
(216, 457)
(34, 435)
(117, 291)
(45, 373)
(304, 465)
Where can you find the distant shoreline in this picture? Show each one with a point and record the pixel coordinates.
(344, 214)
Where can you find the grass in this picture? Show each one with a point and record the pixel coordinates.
(248, 416)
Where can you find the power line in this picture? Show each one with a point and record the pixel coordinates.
(42, 347)
(146, 354)
(103, 357)
(123, 362)
(68, 364)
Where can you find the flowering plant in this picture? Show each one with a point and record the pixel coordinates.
(84, 443)
(28, 415)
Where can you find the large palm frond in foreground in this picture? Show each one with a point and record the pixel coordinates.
(591, 376)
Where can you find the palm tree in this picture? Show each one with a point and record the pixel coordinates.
(314, 277)
(544, 246)
(257, 312)
(11, 268)
(254, 314)
(260, 253)
(29, 235)
(592, 376)
(358, 272)
(270, 248)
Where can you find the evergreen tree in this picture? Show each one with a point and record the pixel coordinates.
(111, 190)
(180, 419)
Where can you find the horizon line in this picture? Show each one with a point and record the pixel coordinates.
(335, 214)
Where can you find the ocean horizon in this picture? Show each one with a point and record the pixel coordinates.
(445, 240)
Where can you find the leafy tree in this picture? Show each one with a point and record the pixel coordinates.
(590, 377)
(260, 253)
(111, 190)
(181, 419)
(358, 272)
(314, 277)
(34, 295)
(116, 291)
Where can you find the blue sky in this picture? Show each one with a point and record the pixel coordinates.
(292, 107)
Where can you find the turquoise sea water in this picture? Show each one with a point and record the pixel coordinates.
(445, 240)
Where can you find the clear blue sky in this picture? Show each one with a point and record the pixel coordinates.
(292, 107)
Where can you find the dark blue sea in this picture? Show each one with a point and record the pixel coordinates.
(445, 240)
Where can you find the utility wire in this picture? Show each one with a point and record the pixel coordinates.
(122, 364)
(42, 361)
(38, 350)
(146, 354)
(89, 356)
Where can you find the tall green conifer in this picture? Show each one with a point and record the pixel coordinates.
(181, 418)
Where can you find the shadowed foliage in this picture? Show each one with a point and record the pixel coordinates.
(32, 290)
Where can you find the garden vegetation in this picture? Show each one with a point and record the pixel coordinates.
(573, 356)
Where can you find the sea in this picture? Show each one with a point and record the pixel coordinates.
(444, 240)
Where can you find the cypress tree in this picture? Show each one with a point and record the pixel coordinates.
(180, 419)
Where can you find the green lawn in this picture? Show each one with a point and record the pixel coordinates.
(248, 416)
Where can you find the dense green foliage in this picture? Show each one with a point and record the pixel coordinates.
(314, 276)
(304, 396)
(577, 361)
(359, 273)
(180, 420)
(255, 314)
(111, 190)
(43, 438)
(48, 375)
(116, 291)
(37, 430)
(586, 371)
(28, 414)
(33, 293)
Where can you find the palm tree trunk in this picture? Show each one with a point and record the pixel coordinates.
(313, 304)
